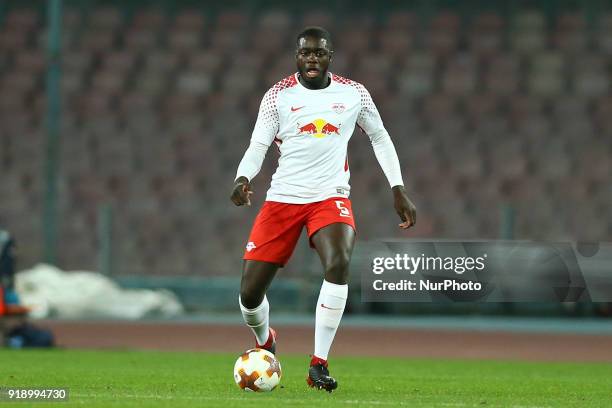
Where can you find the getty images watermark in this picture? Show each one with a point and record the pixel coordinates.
(484, 271)
(411, 264)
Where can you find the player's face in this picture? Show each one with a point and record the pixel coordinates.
(313, 56)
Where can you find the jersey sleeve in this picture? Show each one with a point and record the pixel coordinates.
(264, 132)
(266, 127)
(371, 123)
(369, 119)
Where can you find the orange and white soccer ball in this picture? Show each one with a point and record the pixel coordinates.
(257, 370)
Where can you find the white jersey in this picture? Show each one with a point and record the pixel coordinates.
(312, 129)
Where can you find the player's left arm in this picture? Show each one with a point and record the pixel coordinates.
(370, 122)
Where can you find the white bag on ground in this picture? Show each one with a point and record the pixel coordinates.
(50, 291)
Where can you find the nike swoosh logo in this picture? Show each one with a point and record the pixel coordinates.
(297, 109)
(330, 308)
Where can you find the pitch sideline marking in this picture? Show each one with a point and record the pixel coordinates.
(297, 401)
(187, 397)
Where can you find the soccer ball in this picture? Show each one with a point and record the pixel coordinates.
(257, 370)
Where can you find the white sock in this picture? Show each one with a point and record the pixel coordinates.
(330, 307)
(257, 319)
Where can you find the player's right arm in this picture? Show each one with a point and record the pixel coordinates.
(266, 128)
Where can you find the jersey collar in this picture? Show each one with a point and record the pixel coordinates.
(331, 82)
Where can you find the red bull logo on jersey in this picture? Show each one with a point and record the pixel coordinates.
(319, 128)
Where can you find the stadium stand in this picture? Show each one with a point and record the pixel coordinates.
(496, 108)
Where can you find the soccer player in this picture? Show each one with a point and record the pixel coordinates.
(311, 116)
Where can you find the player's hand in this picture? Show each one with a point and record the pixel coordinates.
(241, 193)
(404, 207)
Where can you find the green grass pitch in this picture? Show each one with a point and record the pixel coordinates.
(162, 379)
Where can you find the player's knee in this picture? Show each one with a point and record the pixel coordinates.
(249, 300)
(336, 269)
(250, 297)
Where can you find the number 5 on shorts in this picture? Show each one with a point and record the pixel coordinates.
(344, 212)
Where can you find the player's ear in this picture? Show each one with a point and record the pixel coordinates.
(331, 56)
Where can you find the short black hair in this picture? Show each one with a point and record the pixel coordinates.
(316, 32)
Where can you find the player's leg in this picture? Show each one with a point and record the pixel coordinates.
(272, 240)
(256, 278)
(334, 244)
(334, 240)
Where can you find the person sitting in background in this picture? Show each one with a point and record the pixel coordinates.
(15, 330)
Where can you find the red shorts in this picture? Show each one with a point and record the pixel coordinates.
(278, 226)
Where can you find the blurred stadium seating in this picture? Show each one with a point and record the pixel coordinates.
(485, 108)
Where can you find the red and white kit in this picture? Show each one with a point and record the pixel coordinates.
(312, 129)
